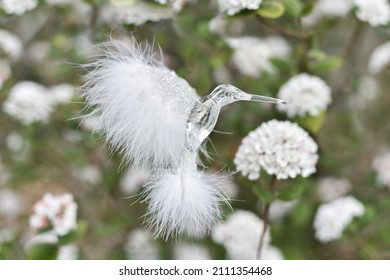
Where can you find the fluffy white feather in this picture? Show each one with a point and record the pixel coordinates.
(142, 106)
(184, 202)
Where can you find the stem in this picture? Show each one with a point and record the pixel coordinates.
(265, 217)
(296, 35)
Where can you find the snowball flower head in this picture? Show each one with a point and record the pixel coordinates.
(18, 7)
(232, 7)
(240, 234)
(56, 212)
(10, 44)
(304, 95)
(247, 48)
(381, 164)
(282, 148)
(380, 58)
(29, 102)
(332, 218)
(140, 246)
(330, 188)
(375, 12)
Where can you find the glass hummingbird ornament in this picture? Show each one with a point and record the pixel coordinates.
(155, 119)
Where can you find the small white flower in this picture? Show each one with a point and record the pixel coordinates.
(380, 58)
(367, 91)
(304, 95)
(68, 252)
(187, 251)
(381, 165)
(89, 174)
(282, 148)
(330, 188)
(15, 142)
(222, 25)
(57, 212)
(327, 8)
(10, 44)
(232, 7)
(141, 246)
(18, 7)
(375, 12)
(133, 179)
(11, 204)
(252, 55)
(136, 13)
(61, 94)
(280, 209)
(240, 235)
(332, 218)
(29, 102)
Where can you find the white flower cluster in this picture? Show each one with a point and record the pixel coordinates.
(381, 164)
(18, 7)
(187, 251)
(327, 8)
(252, 54)
(10, 44)
(140, 246)
(375, 12)
(330, 188)
(332, 218)
(304, 95)
(232, 7)
(282, 148)
(240, 235)
(56, 212)
(136, 13)
(29, 102)
(380, 58)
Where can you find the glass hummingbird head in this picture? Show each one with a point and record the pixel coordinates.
(226, 94)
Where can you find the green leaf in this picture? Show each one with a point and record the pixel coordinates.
(293, 7)
(74, 235)
(326, 65)
(290, 192)
(307, 9)
(263, 194)
(43, 252)
(271, 9)
(283, 65)
(312, 123)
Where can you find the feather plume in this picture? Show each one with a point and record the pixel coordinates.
(142, 106)
(184, 202)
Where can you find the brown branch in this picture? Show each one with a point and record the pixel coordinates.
(265, 217)
(294, 34)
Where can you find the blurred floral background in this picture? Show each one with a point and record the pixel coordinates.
(64, 195)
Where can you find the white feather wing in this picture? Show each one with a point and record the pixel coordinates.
(142, 106)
